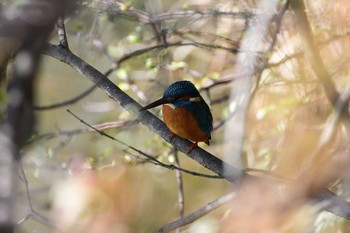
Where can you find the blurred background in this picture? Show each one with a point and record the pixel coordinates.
(80, 181)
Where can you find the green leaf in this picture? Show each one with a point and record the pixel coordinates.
(124, 86)
(150, 63)
(175, 65)
(133, 39)
(122, 74)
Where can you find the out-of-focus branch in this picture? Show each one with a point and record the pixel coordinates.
(30, 30)
(277, 22)
(63, 41)
(312, 52)
(198, 213)
(134, 14)
(332, 170)
(297, 54)
(24, 35)
(176, 44)
(180, 185)
(253, 40)
(32, 214)
(70, 133)
(67, 102)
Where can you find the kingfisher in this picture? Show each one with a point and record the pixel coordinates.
(185, 113)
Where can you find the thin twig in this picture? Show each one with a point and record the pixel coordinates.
(198, 213)
(62, 35)
(134, 14)
(297, 54)
(174, 44)
(155, 161)
(330, 129)
(31, 212)
(70, 133)
(224, 81)
(277, 19)
(67, 102)
(312, 52)
(180, 191)
(30, 27)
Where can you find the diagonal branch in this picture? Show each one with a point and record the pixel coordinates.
(198, 213)
(203, 157)
(312, 52)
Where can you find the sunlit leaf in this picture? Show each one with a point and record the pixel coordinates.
(50, 152)
(127, 159)
(185, 6)
(232, 106)
(36, 173)
(124, 115)
(281, 126)
(150, 63)
(260, 114)
(133, 39)
(204, 225)
(122, 74)
(114, 50)
(124, 86)
(171, 158)
(178, 65)
(213, 75)
(124, 5)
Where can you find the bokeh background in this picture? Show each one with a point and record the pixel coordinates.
(81, 181)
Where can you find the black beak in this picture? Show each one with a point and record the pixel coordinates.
(155, 104)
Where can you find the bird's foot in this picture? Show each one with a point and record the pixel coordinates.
(172, 136)
(194, 145)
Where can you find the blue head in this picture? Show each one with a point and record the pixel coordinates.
(180, 89)
(181, 93)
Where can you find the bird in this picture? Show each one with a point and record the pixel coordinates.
(185, 113)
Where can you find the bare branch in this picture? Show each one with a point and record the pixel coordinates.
(29, 31)
(198, 213)
(67, 102)
(31, 212)
(241, 89)
(180, 191)
(70, 133)
(175, 44)
(134, 14)
(312, 52)
(62, 35)
(149, 157)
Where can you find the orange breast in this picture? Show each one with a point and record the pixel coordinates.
(182, 123)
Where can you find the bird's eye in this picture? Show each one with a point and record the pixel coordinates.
(195, 99)
(184, 98)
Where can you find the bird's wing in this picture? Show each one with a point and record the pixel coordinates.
(202, 113)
